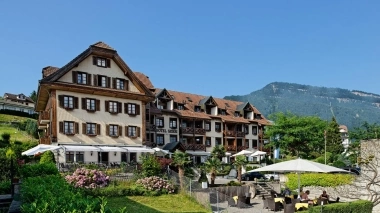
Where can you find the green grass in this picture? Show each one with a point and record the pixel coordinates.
(156, 204)
(12, 118)
(16, 135)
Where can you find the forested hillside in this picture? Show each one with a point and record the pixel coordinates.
(351, 108)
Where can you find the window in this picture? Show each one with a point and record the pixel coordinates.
(82, 78)
(207, 126)
(68, 102)
(90, 104)
(208, 141)
(103, 81)
(113, 107)
(254, 130)
(247, 143)
(218, 141)
(160, 140)
(79, 157)
(218, 127)
(237, 114)
(131, 109)
(197, 108)
(180, 107)
(160, 122)
(118, 83)
(246, 131)
(101, 62)
(69, 157)
(132, 131)
(173, 138)
(222, 111)
(68, 128)
(90, 129)
(113, 130)
(173, 123)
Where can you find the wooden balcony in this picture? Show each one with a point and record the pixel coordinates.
(191, 130)
(240, 148)
(240, 134)
(230, 148)
(194, 147)
(150, 127)
(44, 117)
(45, 140)
(229, 133)
(150, 144)
(42, 126)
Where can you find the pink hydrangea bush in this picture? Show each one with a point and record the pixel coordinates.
(155, 183)
(88, 178)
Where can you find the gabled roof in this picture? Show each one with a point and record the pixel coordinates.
(102, 45)
(163, 93)
(144, 79)
(208, 99)
(13, 97)
(46, 71)
(244, 106)
(172, 146)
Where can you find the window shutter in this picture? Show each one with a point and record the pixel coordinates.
(120, 133)
(114, 83)
(75, 103)
(75, 77)
(95, 80)
(138, 131)
(107, 130)
(60, 127)
(97, 105)
(97, 129)
(84, 127)
(89, 79)
(106, 106)
(126, 108)
(108, 61)
(126, 131)
(76, 126)
(94, 60)
(119, 107)
(126, 85)
(137, 109)
(84, 103)
(108, 82)
(60, 99)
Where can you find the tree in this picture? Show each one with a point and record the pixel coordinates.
(5, 139)
(212, 165)
(334, 138)
(31, 128)
(366, 131)
(218, 151)
(298, 135)
(150, 166)
(240, 161)
(47, 157)
(180, 159)
(33, 96)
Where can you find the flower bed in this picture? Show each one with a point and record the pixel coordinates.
(88, 178)
(155, 183)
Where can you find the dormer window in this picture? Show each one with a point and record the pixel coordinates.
(101, 62)
(180, 107)
(197, 108)
(222, 112)
(237, 114)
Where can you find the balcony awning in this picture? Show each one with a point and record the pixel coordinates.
(40, 149)
(198, 153)
(80, 148)
(71, 148)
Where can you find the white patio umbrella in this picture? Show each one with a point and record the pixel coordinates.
(40, 149)
(242, 152)
(259, 154)
(299, 165)
(160, 152)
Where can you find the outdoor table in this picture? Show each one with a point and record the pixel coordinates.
(279, 199)
(301, 205)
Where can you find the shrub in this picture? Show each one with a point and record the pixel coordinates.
(225, 170)
(47, 157)
(339, 164)
(155, 183)
(318, 179)
(150, 166)
(33, 170)
(5, 187)
(233, 183)
(362, 206)
(87, 178)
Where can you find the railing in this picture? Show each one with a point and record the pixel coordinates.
(194, 146)
(45, 140)
(150, 127)
(230, 133)
(230, 148)
(240, 134)
(240, 148)
(191, 130)
(200, 131)
(44, 117)
(150, 144)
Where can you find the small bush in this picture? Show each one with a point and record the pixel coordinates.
(225, 170)
(318, 179)
(47, 157)
(233, 183)
(150, 166)
(5, 187)
(122, 188)
(362, 206)
(34, 170)
(155, 183)
(86, 178)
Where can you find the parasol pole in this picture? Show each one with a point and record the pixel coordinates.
(299, 185)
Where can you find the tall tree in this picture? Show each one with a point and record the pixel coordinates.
(366, 131)
(219, 152)
(33, 96)
(334, 138)
(240, 161)
(180, 159)
(212, 165)
(297, 135)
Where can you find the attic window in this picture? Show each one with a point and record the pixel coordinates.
(180, 107)
(222, 112)
(101, 62)
(189, 99)
(237, 114)
(227, 105)
(197, 108)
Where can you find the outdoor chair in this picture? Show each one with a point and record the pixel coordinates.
(265, 203)
(288, 200)
(289, 208)
(275, 206)
(231, 202)
(241, 202)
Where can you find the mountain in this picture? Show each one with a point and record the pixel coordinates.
(351, 108)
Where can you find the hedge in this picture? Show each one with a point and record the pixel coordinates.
(362, 206)
(18, 113)
(318, 179)
(33, 170)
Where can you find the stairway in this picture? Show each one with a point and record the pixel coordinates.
(263, 189)
(5, 202)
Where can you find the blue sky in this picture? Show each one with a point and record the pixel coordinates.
(212, 47)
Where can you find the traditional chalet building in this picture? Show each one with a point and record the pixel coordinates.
(18, 102)
(94, 107)
(197, 123)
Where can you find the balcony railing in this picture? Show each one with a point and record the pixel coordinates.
(150, 127)
(240, 148)
(44, 117)
(230, 133)
(194, 147)
(230, 148)
(191, 130)
(150, 144)
(240, 134)
(45, 140)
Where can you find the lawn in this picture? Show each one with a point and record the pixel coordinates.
(16, 135)
(156, 204)
(12, 118)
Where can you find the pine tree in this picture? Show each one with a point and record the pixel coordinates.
(333, 138)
